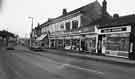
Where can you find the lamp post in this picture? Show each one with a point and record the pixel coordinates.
(32, 18)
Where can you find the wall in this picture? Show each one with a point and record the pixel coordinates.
(55, 27)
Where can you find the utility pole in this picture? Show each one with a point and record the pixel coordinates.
(32, 18)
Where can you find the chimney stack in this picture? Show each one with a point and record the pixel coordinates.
(104, 8)
(64, 11)
(116, 16)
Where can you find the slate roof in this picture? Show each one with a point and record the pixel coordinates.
(94, 9)
(96, 15)
(83, 9)
(123, 20)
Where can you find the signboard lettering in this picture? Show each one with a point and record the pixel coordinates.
(114, 30)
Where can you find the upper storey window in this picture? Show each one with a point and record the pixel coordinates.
(74, 24)
(68, 26)
(62, 26)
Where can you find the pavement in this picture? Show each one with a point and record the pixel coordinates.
(3, 74)
(108, 59)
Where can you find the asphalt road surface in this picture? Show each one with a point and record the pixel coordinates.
(25, 65)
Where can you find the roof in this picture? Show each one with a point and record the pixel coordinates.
(123, 20)
(101, 21)
(96, 15)
(93, 7)
(81, 9)
(5, 33)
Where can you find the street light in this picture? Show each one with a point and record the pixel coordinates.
(32, 18)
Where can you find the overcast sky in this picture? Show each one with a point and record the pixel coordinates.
(14, 13)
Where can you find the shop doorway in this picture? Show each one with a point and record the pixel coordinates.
(83, 45)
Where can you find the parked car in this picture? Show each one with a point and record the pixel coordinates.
(67, 47)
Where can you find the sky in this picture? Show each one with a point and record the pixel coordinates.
(14, 13)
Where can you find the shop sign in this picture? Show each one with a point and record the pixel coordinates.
(113, 30)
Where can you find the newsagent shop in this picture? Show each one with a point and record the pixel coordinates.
(117, 39)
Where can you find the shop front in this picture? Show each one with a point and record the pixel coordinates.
(67, 43)
(89, 39)
(91, 42)
(115, 41)
(52, 43)
(59, 43)
(76, 43)
(56, 42)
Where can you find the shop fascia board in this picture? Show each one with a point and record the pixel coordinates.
(91, 33)
(113, 33)
(74, 34)
(127, 31)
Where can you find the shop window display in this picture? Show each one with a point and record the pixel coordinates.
(119, 42)
(91, 44)
(75, 44)
(60, 43)
(67, 44)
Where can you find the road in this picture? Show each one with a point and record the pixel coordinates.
(25, 65)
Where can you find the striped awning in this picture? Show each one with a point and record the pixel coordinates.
(41, 37)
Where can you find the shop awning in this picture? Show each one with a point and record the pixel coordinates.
(76, 37)
(41, 37)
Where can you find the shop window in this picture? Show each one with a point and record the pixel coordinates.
(76, 42)
(67, 42)
(120, 43)
(91, 42)
(67, 26)
(74, 24)
(59, 43)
